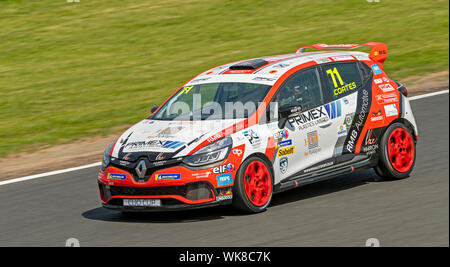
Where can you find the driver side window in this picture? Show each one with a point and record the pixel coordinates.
(301, 89)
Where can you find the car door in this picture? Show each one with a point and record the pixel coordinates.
(343, 82)
(303, 141)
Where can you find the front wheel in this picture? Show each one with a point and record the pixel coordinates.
(398, 153)
(253, 185)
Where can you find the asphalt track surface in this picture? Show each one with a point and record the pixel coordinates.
(344, 211)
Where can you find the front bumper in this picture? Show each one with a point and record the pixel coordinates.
(167, 207)
(190, 189)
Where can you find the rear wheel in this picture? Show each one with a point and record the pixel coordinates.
(398, 153)
(253, 185)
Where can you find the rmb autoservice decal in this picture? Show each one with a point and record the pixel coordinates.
(362, 112)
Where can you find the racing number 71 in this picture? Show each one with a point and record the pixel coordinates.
(334, 72)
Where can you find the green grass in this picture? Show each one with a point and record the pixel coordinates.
(69, 70)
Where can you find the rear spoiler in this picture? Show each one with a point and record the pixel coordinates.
(378, 52)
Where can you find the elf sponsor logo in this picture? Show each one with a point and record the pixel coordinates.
(359, 121)
(171, 176)
(283, 165)
(283, 134)
(286, 151)
(223, 168)
(386, 87)
(116, 176)
(309, 118)
(333, 109)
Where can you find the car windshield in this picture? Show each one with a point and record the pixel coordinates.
(213, 101)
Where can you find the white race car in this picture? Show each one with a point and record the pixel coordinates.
(237, 133)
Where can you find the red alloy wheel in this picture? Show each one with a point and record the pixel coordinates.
(257, 183)
(401, 150)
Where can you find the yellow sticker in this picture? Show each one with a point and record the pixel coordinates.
(286, 151)
(344, 88)
(186, 90)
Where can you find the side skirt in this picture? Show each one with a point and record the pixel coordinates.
(324, 175)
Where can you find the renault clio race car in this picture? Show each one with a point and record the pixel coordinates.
(240, 132)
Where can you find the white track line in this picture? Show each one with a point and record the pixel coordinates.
(36, 176)
(427, 95)
(31, 177)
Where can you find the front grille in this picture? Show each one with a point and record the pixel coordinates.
(148, 173)
(148, 191)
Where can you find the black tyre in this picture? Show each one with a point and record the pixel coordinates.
(253, 186)
(398, 153)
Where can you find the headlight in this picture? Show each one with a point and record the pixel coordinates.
(106, 157)
(211, 153)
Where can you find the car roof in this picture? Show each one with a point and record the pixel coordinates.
(267, 70)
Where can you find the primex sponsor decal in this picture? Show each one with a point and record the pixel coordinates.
(133, 146)
(359, 120)
(309, 118)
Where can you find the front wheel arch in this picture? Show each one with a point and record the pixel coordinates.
(240, 200)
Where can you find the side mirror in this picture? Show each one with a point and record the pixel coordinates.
(287, 111)
(153, 109)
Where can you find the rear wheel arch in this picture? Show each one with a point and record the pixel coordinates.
(385, 167)
(408, 125)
